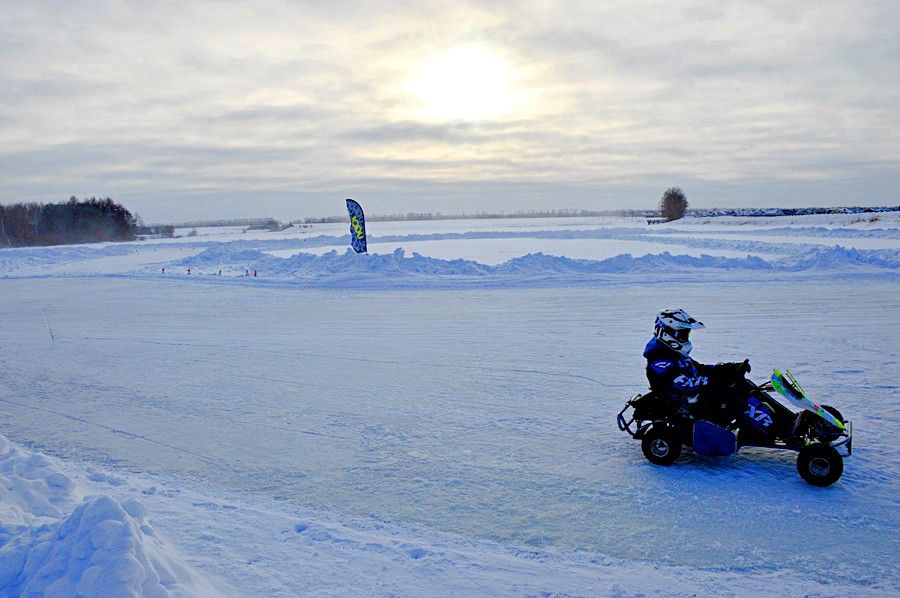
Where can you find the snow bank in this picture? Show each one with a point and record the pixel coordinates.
(30, 489)
(834, 258)
(813, 247)
(860, 220)
(334, 267)
(539, 263)
(52, 545)
(799, 231)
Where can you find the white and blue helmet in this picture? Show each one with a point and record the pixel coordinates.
(673, 328)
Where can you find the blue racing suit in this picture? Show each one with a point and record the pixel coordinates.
(676, 376)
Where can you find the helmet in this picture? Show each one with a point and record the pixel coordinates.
(673, 327)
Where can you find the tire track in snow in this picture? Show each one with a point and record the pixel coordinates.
(257, 423)
(493, 369)
(119, 432)
(342, 358)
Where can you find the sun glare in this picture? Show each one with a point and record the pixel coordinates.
(466, 83)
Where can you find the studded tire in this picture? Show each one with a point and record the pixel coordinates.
(820, 464)
(661, 445)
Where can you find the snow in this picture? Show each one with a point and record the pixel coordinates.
(210, 231)
(497, 251)
(52, 545)
(859, 220)
(462, 226)
(403, 423)
(473, 252)
(273, 550)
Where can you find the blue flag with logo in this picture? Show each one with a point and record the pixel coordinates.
(357, 227)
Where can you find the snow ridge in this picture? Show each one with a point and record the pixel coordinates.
(334, 265)
(799, 231)
(101, 548)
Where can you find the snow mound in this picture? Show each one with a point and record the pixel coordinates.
(101, 548)
(661, 262)
(838, 257)
(311, 266)
(333, 267)
(30, 489)
(217, 254)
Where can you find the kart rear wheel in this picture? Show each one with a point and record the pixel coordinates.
(820, 464)
(837, 414)
(661, 445)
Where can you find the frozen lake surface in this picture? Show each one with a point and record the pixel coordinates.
(469, 430)
(484, 414)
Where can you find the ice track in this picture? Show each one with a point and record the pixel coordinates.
(483, 414)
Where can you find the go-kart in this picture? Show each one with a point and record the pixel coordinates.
(744, 414)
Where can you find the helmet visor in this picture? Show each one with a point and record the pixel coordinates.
(681, 334)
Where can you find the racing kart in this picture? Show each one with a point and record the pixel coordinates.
(746, 415)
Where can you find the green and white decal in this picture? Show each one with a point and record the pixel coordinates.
(788, 387)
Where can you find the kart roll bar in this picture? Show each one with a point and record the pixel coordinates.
(625, 425)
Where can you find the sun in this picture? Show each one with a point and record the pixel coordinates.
(469, 83)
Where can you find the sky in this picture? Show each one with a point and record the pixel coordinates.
(199, 110)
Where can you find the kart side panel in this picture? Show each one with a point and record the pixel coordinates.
(711, 440)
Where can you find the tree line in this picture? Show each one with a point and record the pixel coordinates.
(74, 221)
(552, 213)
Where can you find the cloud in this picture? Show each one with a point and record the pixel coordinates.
(151, 101)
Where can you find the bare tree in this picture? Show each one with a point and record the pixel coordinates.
(673, 203)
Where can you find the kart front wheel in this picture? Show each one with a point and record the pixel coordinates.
(820, 464)
(661, 445)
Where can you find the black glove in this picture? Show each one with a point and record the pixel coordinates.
(734, 368)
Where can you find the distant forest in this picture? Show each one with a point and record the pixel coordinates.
(74, 221)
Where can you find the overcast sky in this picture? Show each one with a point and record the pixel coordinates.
(187, 110)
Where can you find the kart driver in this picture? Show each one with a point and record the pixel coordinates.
(674, 375)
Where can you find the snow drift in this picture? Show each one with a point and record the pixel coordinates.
(52, 545)
(333, 268)
(812, 248)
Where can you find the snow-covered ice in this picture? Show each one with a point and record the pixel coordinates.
(411, 423)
